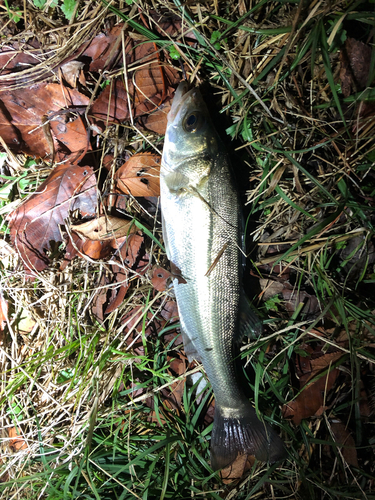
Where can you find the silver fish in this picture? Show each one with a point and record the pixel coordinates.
(202, 223)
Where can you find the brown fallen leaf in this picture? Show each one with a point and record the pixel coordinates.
(100, 299)
(96, 249)
(105, 227)
(293, 298)
(36, 223)
(16, 442)
(149, 85)
(355, 59)
(22, 111)
(160, 278)
(139, 176)
(70, 131)
(131, 256)
(311, 400)
(78, 247)
(237, 469)
(344, 440)
(72, 72)
(104, 49)
(3, 311)
(18, 57)
(169, 311)
(157, 120)
(118, 293)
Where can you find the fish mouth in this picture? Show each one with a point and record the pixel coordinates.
(180, 97)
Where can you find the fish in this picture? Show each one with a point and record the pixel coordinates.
(202, 226)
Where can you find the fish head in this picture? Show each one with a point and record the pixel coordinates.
(190, 133)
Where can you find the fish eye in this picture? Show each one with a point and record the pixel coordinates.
(193, 121)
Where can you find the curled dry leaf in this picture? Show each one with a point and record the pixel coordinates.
(105, 227)
(311, 307)
(311, 401)
(73, 71)
(117, 294)
(35, 223)
(17, 57)
(139, 176)
(25, 116)
(78, 247)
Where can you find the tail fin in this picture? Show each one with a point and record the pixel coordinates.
(246, 434)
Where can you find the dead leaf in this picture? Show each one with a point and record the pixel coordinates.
(160, 278)
(100, 299)
(355, 59)
(26, 323)
(149, 85)
(118, 294)
(70, 131)
(311, 307)
(311, 400)
(309, 366)
(97, 249)
(170, 311)
(22, 112)
(18, 57)
(112, 104)
(105, 227)
(104, 49)
(270, 288)
(36, 223)
(134, 321)
(344, 440)
(72, 71)
(3, 312)
(139, 176)
(16, 442)
(237, 469)
(157, 120)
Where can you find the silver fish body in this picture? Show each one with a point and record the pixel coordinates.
(202, 223)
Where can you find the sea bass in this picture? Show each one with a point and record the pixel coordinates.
(202, 231)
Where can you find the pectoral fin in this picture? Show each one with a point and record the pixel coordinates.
(249, 323)
(176, 182)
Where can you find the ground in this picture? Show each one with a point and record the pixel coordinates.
(94, 400)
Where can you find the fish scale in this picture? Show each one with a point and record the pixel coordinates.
(202, 223)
